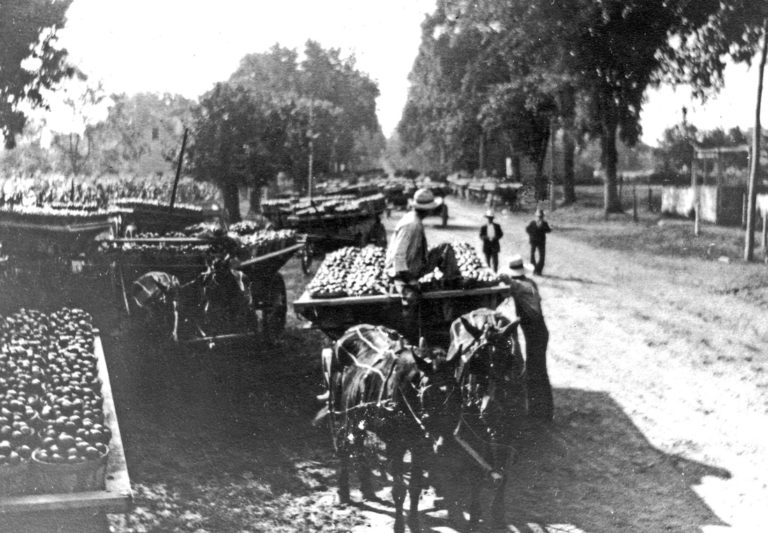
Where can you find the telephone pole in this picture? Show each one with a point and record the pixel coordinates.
(754, 167)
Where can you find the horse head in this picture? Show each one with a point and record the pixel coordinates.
(438, 389)
(491, 371)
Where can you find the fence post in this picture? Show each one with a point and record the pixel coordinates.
(697, 216)
(634, 203)
(650, 199)
(765, 232)
(552, 204)
(744, 210)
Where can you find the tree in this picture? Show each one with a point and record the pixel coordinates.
(141, 133)
(75, 140)
(325, 93)
(30, 61)
(225, 132)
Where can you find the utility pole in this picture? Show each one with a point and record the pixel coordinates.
(694, 181)
(552, 132)
(754, 167)
(311, 135)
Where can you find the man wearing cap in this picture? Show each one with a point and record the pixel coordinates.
(527, 300)
(406, 257)
(490, 234)
(537, 236)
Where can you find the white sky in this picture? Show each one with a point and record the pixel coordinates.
(186, 46)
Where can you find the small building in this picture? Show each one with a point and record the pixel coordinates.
(721, 201)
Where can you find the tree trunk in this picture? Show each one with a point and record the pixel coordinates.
(231, 201)
(754, 168)
(569, 176)
(540, 184)
(516, 172)
(609, 156)
(255, 199)
(568, 111)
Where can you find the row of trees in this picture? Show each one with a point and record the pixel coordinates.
(278, 113)
(138, 134)
(498, 78)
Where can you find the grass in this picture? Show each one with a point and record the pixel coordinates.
(653, 233)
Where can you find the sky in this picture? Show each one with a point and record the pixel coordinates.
(185, 46)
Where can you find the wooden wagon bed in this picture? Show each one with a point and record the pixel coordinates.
(116, 497)
(434, 315)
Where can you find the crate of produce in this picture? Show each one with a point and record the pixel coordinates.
(60, 446)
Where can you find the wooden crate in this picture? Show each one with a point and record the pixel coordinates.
(116, 497)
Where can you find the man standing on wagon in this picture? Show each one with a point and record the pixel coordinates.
(406, 257)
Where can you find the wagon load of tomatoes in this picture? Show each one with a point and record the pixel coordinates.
(55, 215)
(156, 248)
(153, 205)
(53, 436)
(353, 271)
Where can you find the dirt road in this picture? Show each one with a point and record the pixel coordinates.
(661, 391)
(660, 387)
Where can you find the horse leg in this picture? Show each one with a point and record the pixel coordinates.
(344, 457)
(364, 470)
(497, 506)
(414, 491)
(474, 503)
(398, 486)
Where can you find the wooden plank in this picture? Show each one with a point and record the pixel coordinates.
(116, 496)
(305, 301)
(266, 257)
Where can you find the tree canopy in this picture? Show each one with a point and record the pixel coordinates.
(30, 60)
(586, 63)
(277, 109)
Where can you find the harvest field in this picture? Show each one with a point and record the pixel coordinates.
(661, 391)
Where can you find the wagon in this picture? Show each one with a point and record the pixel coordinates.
(435, 312)
(47, 243)
(153, 216)
(267, 285)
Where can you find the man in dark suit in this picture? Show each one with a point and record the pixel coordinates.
(537, 236)
(490, 234)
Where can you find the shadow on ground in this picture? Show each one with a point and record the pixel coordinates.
(592, 471)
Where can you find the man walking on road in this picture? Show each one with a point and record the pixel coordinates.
(537, 236)
(490, 234)
(527, 300)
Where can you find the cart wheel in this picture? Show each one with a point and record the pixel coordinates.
(273, 317)
(444, 214)
(306, 259)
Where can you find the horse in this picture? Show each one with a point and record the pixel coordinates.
(379, 383)
(490, 372)
(226, 298)
(218, 298)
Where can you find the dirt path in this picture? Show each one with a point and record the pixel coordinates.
(660, 387)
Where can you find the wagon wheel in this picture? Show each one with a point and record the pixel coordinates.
(306, 258)
(275, 310)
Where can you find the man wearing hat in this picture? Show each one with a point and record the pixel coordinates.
(527, 300)
(490, 234)
(406, 257)
(537, 236)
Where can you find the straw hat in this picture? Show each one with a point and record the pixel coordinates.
(489, 214)
(517, 267)
(423, 199)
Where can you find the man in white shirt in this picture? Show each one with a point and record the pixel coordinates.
(406, 257)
